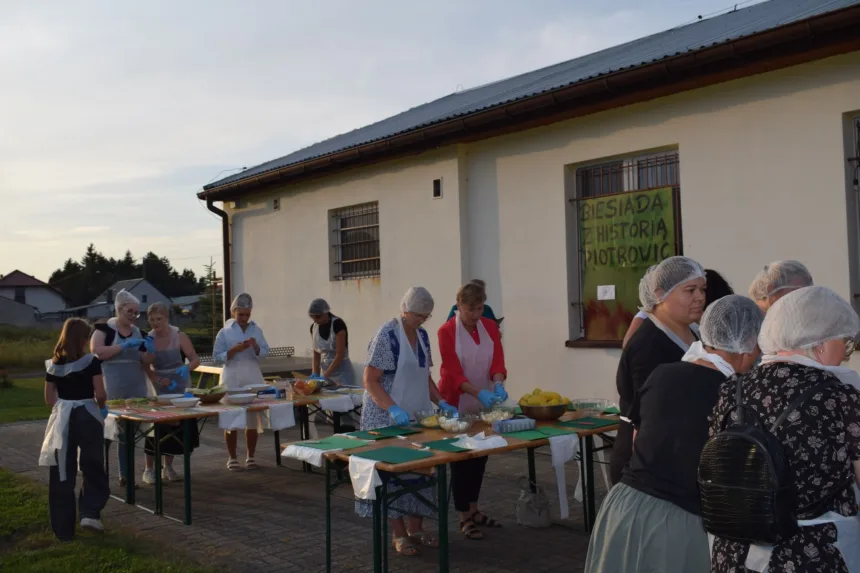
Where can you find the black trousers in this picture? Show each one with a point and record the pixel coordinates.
(622, 450)
(87, 435)
(466, 479)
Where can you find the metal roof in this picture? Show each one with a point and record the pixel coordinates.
(676, 41)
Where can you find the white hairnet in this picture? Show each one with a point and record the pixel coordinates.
(318, 306)
(732, 324)
(805, 318)
(242, 300)
(417, 300)
(777, 276)
(660, 280)
(124, 298)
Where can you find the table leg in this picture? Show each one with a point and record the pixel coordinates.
(278, 447)
(327, 516)
(377, 549)
(159, 507)
(304, 432)
(442, 487)
(583, 476)
(588, 493)
(335, 422)
(532, 473)
(107, 458)
(189, 426)
(129, 461)
(384, 535)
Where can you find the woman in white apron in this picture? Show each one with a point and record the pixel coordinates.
(673, 295)
(169, 374)
(120, 347)
(331, 345)
(239, 346)
(74, 388)
(472, 375)
(805, 337)
(398, 384)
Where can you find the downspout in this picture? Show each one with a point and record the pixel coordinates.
(225, 245)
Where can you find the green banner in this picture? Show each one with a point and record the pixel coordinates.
(620, 237)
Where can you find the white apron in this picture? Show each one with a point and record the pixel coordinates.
(475, 360)
(411, 387)
(697, 352)
(328, 350)
(57, 432)
(244, 368)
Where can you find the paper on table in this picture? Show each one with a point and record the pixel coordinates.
(111, 428)
(282, 416)
(336, 404)
(312, 456)
(480, 442)
(563, 449)
(365, 479)
(233, 419)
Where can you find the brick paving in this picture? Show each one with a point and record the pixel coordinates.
(273, 520)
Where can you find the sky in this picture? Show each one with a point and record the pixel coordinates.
(115, 114)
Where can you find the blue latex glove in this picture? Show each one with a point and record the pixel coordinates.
(316, 377)
(149, 342)
(172, 386)
(399, 415)
(103, 411)
(448, 409)
(487, 398)
(184, 371)
(499, 391)
(131, 343)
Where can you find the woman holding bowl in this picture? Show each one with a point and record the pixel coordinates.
(398, 384)
(472, 377)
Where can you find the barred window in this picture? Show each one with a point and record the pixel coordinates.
(354, 240)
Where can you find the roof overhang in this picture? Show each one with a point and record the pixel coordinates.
(813, 39)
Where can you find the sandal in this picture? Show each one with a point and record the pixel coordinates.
(484, 521)
(251, 465)
(405, 547)
(424, 539)
(233, 465)
(469, 529)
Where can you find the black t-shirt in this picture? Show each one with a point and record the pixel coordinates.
(334, 322)
(77, 385)
(670, 414)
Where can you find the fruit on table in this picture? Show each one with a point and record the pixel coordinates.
(430, 422)
(306, 387)
(208, 391)
(496, 416)
(540, 398)
(454, 424)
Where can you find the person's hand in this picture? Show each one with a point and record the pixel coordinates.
(487, 398)
(447, 408)
(103, 411)
(149, 342)
(399, 415)
(131, 343)
(164, 382)
(239, 347)
(499, 391)
(316, 377)
(252, 342)
(184, 371)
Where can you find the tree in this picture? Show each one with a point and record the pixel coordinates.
(211, 304)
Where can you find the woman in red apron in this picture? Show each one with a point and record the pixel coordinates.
(472, 376)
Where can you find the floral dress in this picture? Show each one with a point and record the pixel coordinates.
(383, 352)
(820, 439)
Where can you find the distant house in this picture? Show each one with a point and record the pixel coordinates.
(28, 290)
(18, 313)
(188, 305)
(103, 305)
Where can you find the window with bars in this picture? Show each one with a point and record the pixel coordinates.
(625, 217)
(354, 239)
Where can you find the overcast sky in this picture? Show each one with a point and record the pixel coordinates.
(115, 113)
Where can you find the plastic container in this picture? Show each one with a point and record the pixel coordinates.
(514, 425)
(165, 399)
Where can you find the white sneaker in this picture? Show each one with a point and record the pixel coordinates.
(170, 474)
(92, 524)
(148, 477)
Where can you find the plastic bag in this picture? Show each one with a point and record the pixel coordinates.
(532, 508)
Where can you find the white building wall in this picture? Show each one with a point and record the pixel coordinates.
(152, 295)
(42, 298)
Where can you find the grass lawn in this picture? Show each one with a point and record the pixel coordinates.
(27, 544)
(25, 400)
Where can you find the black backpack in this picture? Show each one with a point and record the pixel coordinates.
(745, 479)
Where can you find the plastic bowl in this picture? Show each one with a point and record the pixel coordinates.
(545, 413)
(240, 398)
(457, 425)
(185, 402)
(165, 399)
(211, 398)
(427, 419)
(591, 406)
(301, 388)
(265, 397)
(497, 414)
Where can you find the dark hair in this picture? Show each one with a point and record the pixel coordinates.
(718, 287)
(471, 294)
(72, 344)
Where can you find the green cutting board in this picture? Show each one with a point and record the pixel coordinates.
(527, 435)
(388, 432)
(396, 455)
(553, 431)
(588, 423)
(335, 443)
(446, 445)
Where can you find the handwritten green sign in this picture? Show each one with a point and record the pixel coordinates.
(620, 237)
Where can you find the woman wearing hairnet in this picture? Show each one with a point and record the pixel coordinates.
(331, 344)
(239, 347)
(805, 338)
(120, 346)
(398, 384)
(673, 295)
(670, 417)
(776, 280)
